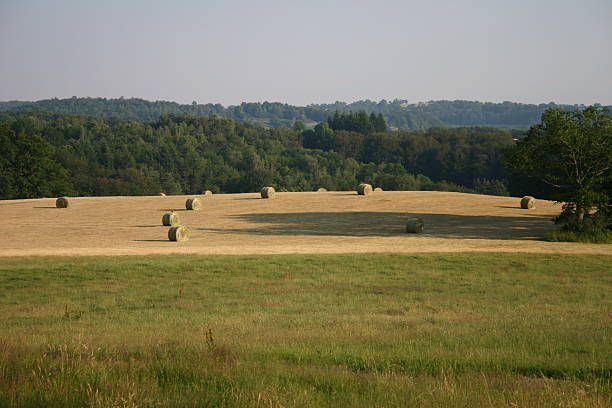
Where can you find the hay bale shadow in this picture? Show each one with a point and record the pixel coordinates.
(386, 224)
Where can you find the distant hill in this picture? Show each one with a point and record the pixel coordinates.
(398, 113)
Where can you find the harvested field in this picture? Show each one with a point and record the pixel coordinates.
(308, 222)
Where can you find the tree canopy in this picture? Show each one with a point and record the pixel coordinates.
(398, 114)
(185, 154)
(572, 153)
(27, 168)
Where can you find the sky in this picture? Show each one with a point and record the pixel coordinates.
(302, 52)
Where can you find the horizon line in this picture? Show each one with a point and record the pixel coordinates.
(394, 100)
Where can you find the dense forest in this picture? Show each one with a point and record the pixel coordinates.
(51, 154)
(398, 114)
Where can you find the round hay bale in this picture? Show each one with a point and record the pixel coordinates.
(378, 189)
(364, 189)
(528, 202)
(171, 219)
(414, 225)
(178, 233)
(162, 194)
(207, 193)
(321, 190)
(62, 202)
(193, 204)
(267, 192)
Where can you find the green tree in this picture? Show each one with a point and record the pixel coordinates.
(490, 187)
(27, 168)
(299, 126)
(321, 137)
(572, 152)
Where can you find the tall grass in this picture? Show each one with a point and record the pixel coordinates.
(592, 237)
(337, 330)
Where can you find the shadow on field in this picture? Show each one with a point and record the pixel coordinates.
(20, 203)
(531, 227)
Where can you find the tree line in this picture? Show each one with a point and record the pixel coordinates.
(50, 154)
(398, 114)
(470, 157)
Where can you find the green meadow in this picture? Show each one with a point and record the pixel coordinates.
(386, 330)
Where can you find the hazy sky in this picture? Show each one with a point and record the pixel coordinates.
(302, 52)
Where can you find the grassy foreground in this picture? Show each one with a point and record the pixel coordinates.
(471, 329)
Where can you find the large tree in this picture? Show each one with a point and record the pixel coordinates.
(571, 151)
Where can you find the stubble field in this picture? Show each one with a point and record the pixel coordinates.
(330, 222)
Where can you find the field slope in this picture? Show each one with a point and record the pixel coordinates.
(331, 222)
